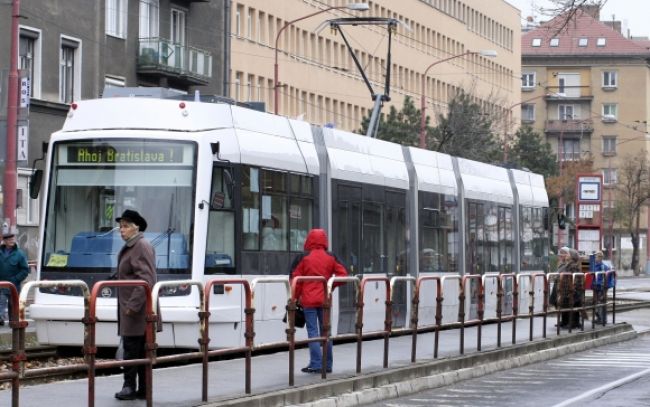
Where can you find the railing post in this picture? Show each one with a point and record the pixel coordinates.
(89, 337)
(291, 321)
(461, 306)
(330, 289)
(387, 319)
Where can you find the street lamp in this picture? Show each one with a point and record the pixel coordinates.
(486, 53)
(276, 83)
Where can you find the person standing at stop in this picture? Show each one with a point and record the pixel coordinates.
(315, 261)
(14, 269)
(136, 261)
(599, 286)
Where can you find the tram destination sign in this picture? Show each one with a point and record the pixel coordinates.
(107, 154)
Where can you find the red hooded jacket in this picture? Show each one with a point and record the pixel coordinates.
(316, 261)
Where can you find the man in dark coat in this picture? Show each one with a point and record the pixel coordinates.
(136, 261)
(13, 268)
(315, 261)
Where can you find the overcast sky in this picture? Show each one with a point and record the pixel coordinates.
(634, 14)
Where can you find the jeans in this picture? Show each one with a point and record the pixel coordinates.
(314, 321)
(601, 310)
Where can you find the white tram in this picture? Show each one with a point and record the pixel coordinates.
(229, 191)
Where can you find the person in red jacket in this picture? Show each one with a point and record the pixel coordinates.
(315, 261)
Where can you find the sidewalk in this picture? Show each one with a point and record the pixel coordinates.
(181, 386)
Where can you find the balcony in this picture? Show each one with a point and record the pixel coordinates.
(569, 126)
(568, 93)
(160, 57)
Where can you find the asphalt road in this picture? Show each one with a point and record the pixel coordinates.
(613, 375)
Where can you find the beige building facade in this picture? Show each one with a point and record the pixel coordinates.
(586, 88)
(320, 83)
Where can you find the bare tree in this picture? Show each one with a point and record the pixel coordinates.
(634, 191)
(567, 9)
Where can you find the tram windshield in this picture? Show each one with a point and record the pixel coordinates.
(93, 182)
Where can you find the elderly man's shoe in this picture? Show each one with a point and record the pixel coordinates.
(127, 393)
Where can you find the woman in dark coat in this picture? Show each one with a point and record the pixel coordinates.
(570, 299)
(136, 261)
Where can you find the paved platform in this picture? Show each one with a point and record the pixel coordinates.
(181, 386)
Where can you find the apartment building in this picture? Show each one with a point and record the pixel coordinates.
(585, 87)
(74, 49)
(319, 82)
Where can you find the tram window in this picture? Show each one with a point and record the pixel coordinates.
(300, 185)
(438, 246)
(372, 240)
(250, 208)
(220, 242)
(274, 181)
(300, 222)
(220, 195)
(395, 228)
(274, 222)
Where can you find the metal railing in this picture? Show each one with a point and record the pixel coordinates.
(18, 322)
(164, 55)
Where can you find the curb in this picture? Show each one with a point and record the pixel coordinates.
(412, 378)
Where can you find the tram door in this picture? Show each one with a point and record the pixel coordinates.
(369, 236)
(346, 242)
(475, 251)
(396, 256)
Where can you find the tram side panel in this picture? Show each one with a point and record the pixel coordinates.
(369, 186)
(488, 205)
(434, 232)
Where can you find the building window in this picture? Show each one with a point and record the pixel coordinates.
(527, 113)
(69, 70)
(570, 150)
(537, 42)
(116, 17)
(609, 176)
(177, 33)
(566, 112)
(554, 42)
(582, 42)
(29, 50)
(237, 85)
(609, 79)
(238, 13)
(528, 80)
(609, 145)
(149, 18)
(249, 24)
(610, 112)
(601, 42)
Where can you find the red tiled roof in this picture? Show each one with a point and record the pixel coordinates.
(580, 26)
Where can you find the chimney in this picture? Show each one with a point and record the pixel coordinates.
(592, 10)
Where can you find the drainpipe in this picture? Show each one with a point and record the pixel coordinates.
(227, 5)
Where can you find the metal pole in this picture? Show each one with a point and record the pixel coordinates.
(423, 121)
(610, 245)
(374, 117)
(276, 80)
(424, 91)
(561, 200)
(647, 240)
(9, 189)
